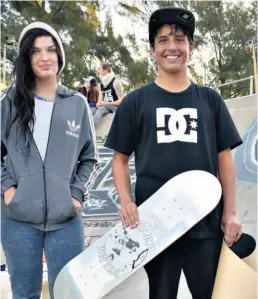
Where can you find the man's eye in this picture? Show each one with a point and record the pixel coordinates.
(162, 40)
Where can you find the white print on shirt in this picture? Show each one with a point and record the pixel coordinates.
(73, 129)
(177, 125)
(108, 96)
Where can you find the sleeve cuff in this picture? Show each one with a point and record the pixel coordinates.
(77, 194)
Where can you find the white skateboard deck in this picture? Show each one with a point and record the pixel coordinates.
(167, 215)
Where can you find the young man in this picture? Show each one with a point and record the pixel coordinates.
(174, 125)
(112, 92)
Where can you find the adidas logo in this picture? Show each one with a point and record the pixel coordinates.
(73, 129)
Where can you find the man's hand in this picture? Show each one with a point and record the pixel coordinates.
(77, 205)
(231, 227)
(98, 104)
(129, 214)
(9, 195)
(104, 103)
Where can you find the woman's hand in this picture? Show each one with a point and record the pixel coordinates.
(9, 195)
(77, 205)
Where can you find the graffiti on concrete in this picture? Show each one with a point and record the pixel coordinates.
(101, 139)
(103, 198)
(99, 224)
(245, 157)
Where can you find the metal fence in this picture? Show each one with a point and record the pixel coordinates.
(251, 84)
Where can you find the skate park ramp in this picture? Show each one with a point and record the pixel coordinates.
(100, 212)
(103, 201)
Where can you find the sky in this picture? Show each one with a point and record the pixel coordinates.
(122, 25)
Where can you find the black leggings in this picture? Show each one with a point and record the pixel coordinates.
(198, 258)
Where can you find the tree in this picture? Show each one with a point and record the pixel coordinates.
(86, 43)
(76, 22)
(222, 30)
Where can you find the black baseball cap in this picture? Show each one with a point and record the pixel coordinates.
(171, 15)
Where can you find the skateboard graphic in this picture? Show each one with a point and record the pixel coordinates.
(166, 216)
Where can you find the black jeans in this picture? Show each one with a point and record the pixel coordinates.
(198, 258)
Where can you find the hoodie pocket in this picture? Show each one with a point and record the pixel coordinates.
(27, 204)
(59, 199)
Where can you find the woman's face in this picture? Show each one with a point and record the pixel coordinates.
(44, 59)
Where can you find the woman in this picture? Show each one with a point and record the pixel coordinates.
(49, 162)
(93, 93)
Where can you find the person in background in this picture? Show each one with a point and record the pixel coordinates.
(49, 162)
(94, 94)
(112, 92)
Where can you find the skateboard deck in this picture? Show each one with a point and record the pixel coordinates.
(166, 216)
(236, 278)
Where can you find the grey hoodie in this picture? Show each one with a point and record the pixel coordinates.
(45, 189)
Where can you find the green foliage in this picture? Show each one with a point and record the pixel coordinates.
(86, 43)
(222, 30)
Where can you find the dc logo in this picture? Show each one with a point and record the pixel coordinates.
(177, 125)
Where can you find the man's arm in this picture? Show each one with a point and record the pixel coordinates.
(119, 92)
(121, 175)
(100, 97)
(230, 224)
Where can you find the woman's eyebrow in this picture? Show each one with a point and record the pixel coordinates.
(37, 48)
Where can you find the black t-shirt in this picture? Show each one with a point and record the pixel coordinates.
(171, 133)
(109, 93)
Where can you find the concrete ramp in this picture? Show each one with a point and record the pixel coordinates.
(100, 211)
(101, 214)
(244, 113)
(104, 200)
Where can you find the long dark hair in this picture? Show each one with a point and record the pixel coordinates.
(83, 90)
(23, 80)
(93, 93)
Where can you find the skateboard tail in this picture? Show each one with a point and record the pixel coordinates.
(69, 289)
(235, 279)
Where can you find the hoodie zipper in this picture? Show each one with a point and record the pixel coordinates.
(44, 168)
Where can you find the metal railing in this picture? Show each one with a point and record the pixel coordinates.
(251, 84)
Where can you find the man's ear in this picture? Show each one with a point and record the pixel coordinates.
(191, 48)
(152, 52)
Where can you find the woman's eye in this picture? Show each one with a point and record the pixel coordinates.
(52, 50)
(35, 51)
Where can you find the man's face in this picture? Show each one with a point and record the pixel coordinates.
(172, 49)
(102, 72)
